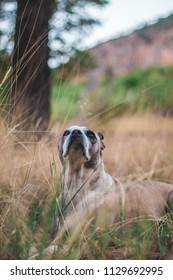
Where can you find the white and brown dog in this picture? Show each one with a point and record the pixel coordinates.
(89, 192)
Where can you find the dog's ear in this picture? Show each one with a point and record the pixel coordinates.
(101, 138)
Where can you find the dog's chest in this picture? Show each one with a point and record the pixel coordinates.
(75, 191)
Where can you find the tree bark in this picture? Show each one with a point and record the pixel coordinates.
(30, 89)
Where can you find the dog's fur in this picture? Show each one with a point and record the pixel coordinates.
(89, 192)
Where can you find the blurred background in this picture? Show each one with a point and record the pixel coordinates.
(67, 59)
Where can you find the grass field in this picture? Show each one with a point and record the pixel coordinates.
(134, 114)
(137, 147)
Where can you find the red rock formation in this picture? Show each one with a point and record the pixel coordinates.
(149, 46)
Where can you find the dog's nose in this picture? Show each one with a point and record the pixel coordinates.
(76, 132)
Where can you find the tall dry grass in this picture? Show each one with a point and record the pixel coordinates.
(28, 171)
(136, 147)
(140, 146)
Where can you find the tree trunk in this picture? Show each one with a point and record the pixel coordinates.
(30, 89)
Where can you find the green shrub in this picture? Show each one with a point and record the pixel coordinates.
(65, 100)
(142, 90)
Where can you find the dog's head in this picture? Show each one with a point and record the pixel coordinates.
(79, 143)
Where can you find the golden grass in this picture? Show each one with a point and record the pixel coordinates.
(136, 147)
(140, 146)
(27, 171)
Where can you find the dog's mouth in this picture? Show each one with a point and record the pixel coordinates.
(75, 146)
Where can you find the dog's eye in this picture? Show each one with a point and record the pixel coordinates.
(91, 134)
(67, 132)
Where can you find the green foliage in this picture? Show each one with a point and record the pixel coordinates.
(18, 247)
(139, 91)
(81, 63)
(142, 90)
(74, 19)
(70, 19)
(139, 241)
(35, 216)
(165, 234)
(65, 100)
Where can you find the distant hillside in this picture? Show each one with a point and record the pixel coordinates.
(149, 46)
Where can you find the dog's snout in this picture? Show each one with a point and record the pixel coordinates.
(76, 132)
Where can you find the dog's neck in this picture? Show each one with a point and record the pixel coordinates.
(79, 178)
(77, 174)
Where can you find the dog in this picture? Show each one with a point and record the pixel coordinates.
(89, 192)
